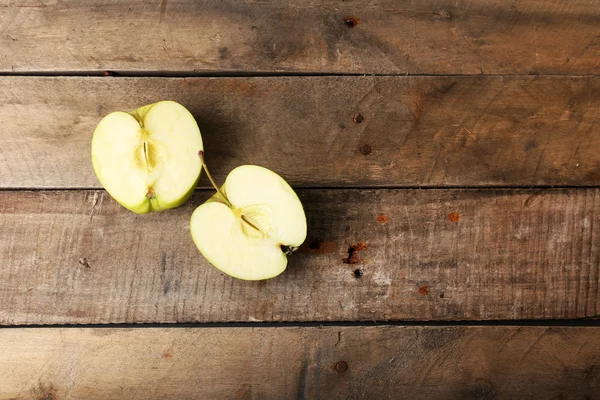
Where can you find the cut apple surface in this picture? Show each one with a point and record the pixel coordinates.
(147, 160)
(250, 225)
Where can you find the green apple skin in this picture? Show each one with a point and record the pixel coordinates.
(234, 247)
(147, 160)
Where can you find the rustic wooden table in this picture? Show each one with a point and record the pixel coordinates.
(458, 140)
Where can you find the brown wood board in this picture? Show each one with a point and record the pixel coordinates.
(78, 257)
(485, 105)
(323, 131)
(301, 363)
(301, 36)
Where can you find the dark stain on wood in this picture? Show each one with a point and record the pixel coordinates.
(353, 256)
(319, 246)
(382, 218)
(454, 217)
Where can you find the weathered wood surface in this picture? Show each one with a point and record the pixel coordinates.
(390, 36)
(78, 257)
(301, 363)
(414, 131)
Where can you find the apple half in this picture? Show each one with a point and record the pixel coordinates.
(250, 226)
(147, 160)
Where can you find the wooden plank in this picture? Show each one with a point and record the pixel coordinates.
(301, 363)
(425, 131)
(78, 257)
(390, 36)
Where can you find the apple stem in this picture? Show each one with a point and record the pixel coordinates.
(201, 155)
(210, 178)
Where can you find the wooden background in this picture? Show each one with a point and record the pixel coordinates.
(446, 153)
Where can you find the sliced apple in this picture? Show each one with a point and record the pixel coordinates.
(147, 160)
(250, 225)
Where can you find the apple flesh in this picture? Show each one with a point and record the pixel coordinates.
(147, 160)
(249, 226)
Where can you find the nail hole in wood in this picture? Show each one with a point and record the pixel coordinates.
(350, 22)
(341, 366)
(366, 149)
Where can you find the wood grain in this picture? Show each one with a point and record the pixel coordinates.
(301, 363)
(412, 131)
(78, 257)
(302, 36)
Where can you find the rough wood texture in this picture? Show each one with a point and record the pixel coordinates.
(425, 131)
(78, 257)
(389, 36)
(301, 363)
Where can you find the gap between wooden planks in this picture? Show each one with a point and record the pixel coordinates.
(303, 363)
(76, 257)
(323, 131)
(416, 37)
